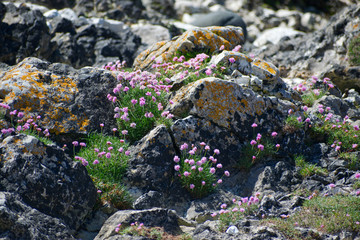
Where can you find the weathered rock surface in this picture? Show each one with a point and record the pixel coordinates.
(201, 39)
(70, 101)
(46, 179)
(20, 221)
(322, 53)
(155, 217)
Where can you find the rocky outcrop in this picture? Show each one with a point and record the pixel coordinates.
(322, 53)
(47, 185)
(69, 101)
(20, 221)
(198, 40)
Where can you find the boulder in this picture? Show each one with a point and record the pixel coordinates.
(20, 221)
(155, 217)
(70, 101)
(274, 35)
(23, 33)
(151, 164)
(46, 179)
(228, 105)
(208, 39)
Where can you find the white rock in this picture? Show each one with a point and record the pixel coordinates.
(274, 35)
(232, 230)
(68, 14)
(53, 13)
(31, 6)
(113, 25)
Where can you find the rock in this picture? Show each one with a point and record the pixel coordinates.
(226, 104)
(19, 221)
(24, 33)
(219, 18)
(149, 200)
(232, 230)
(58, 4)
(159, 8)
(195, 130)
(156, 217)
(322, 53)
(200, 39)
(274, 35)
(70, 101)
(151, 34)
(151, 164)
(46, 179)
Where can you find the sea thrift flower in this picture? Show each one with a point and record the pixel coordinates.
(357, 175)
(227, 173)
(254, 125)
(82, 144)
(232, 60)
(331, 185)
(177, 167)
(222, 47)
(274, 134)
(192, 186)
(212, 170)
(186, 173)
(219, 181)
(75, 143)
(108, 155)
(219, 165)
(261, 147)
(253, 142)
(258, 137)
(133, 125)
(96, 162)
(176, 159)
(127, 153)
(208, 72)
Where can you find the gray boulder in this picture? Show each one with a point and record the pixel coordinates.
(46, 179)
(20, 221)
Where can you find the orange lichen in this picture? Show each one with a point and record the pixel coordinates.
(265, 66)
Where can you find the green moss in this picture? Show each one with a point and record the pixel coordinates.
(308, 169)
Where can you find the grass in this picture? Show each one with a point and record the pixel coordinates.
(308, 169)
(310, 97)
(352, 159)
(293, 124)
(354, 51)
(108, 173)
(332, 215)
(155, 233)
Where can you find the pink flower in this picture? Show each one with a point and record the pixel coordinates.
(212, 170)
(200, 169)
(133, 125)
(192, 186)
(108, 155)
(254, 125)
(219, 181)
(331, 185)
(186, 174)
(232, 60)
(101, 125)
(82, 144)
(191, 161)
(176, 159)
(75, 143)
(277, 145)
(305, 108)
(253, 142)
(261, 147)
(219, 165)
(237, 48)
(203, 183)
(274, 134)
(127, 153)
(253, 157)
(177, 167)
(208, 72)
(227, 173)
(222, 47)
(354, 145)
(258, 137)
(242, 210)
(96, 162)
(357, 175)
(217, 151)
(356, 128)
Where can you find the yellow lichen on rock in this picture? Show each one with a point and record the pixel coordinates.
(208, 39)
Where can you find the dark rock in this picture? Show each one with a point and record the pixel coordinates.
(149, 200)
(46, 179)
(24, 33)
(19, 221)
(151, 164)
(156, 217)
(63, 25)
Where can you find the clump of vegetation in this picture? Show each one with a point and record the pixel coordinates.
(257, 150)
(354, 51)
(327, 214)
(308, 169)
(106, 158)
(196, 169)
(247, 206)
(156, 233)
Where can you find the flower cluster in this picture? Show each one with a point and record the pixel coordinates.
(197, 169)
(239, 209)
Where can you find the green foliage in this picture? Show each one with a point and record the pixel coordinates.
(293, 124)
(352, 159)
(310, 97)
(251, 154)
(308, 169)
(108, 173)
(137, 113)
(354, 51)
(197, 171)
(331, 214)
(42, 139)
